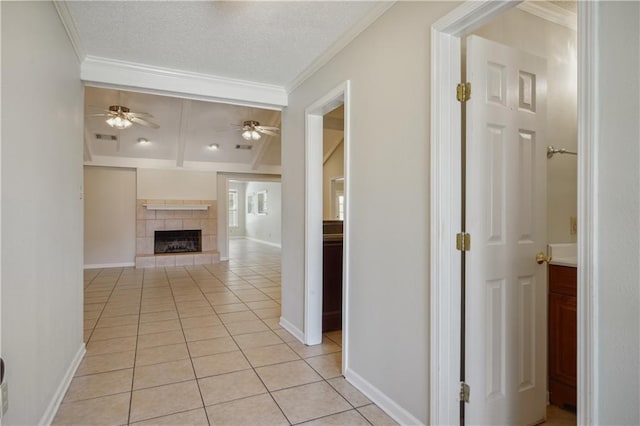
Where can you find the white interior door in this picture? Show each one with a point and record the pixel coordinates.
(506, 353)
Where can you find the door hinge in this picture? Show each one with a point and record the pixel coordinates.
(463, 92)
(465, 390)
(463, 241)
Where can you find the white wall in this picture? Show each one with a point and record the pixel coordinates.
(265, 227)
(618, 204)
(240, 231)
(109, 216)
(42, 117)
(388, 65)
(334, 167)
(176, 185)
(558, 45)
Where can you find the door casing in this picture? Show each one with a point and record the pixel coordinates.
(445, 206)
(313, 217)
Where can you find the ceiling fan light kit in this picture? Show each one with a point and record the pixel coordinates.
(249, 131)
(120, 117)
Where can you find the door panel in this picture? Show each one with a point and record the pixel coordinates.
(506, 217)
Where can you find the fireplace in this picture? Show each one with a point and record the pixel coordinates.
(183, 241)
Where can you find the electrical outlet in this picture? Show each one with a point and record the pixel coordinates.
(573, 225)
(4, 398)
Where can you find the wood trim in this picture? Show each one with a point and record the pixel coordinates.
(445, 208)
(70, 27)
(550, 12)
(313, 216)
(387, 404)
(588, 143)
(52, 409)
(123, 75)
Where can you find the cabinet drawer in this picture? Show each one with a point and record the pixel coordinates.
(563, 280)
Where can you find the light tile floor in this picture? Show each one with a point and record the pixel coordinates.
(202, 345)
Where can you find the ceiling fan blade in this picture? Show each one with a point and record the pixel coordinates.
(98, 108)
(267, 132)
(140, 114)
(144, 123)
(273, 129)
(98, 115)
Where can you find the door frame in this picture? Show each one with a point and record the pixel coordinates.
(340, 95)
(222, 183)
(445, 206)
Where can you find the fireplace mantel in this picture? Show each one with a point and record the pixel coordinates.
(177, 206)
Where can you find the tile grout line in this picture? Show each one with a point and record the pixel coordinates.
(245, 356)
(193, 367)
(135, 353)
(103, 307)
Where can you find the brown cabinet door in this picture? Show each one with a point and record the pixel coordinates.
(562, 349)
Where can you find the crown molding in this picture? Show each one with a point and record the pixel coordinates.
(550, 12)
(340, 44)
(62, 7)
(111, 73)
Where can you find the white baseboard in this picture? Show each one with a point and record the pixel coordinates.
(52, 408)
(297, 333)
(109, 265)
(388, 405)
(264, 242)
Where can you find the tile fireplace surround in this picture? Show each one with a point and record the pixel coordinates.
(168, 215)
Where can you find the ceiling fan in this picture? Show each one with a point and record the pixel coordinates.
(120, 117)
(251, 130)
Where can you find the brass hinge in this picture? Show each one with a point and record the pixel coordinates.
(463, 241)
(465, 390)
(463, 92)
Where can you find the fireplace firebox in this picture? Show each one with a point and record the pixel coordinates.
(185, 241)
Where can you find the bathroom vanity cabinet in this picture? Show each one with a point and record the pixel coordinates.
(332, 275)
(562, 335)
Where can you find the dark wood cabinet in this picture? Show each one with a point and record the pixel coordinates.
(332, 284)
(332, 275)
(563, 335)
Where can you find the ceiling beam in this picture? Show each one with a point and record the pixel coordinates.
(151, 163)
(185, 114)
(266, 141)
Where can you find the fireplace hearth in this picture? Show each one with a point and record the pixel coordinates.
(178, 241)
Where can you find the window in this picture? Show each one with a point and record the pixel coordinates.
(233, 208)
(250, 204)
(337, 198)
(262, 202)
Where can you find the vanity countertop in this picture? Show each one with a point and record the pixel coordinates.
(565, 261)
(563, 254)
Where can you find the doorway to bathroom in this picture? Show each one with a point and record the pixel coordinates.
(502, 354)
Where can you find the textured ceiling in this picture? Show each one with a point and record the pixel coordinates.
(266, 42)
